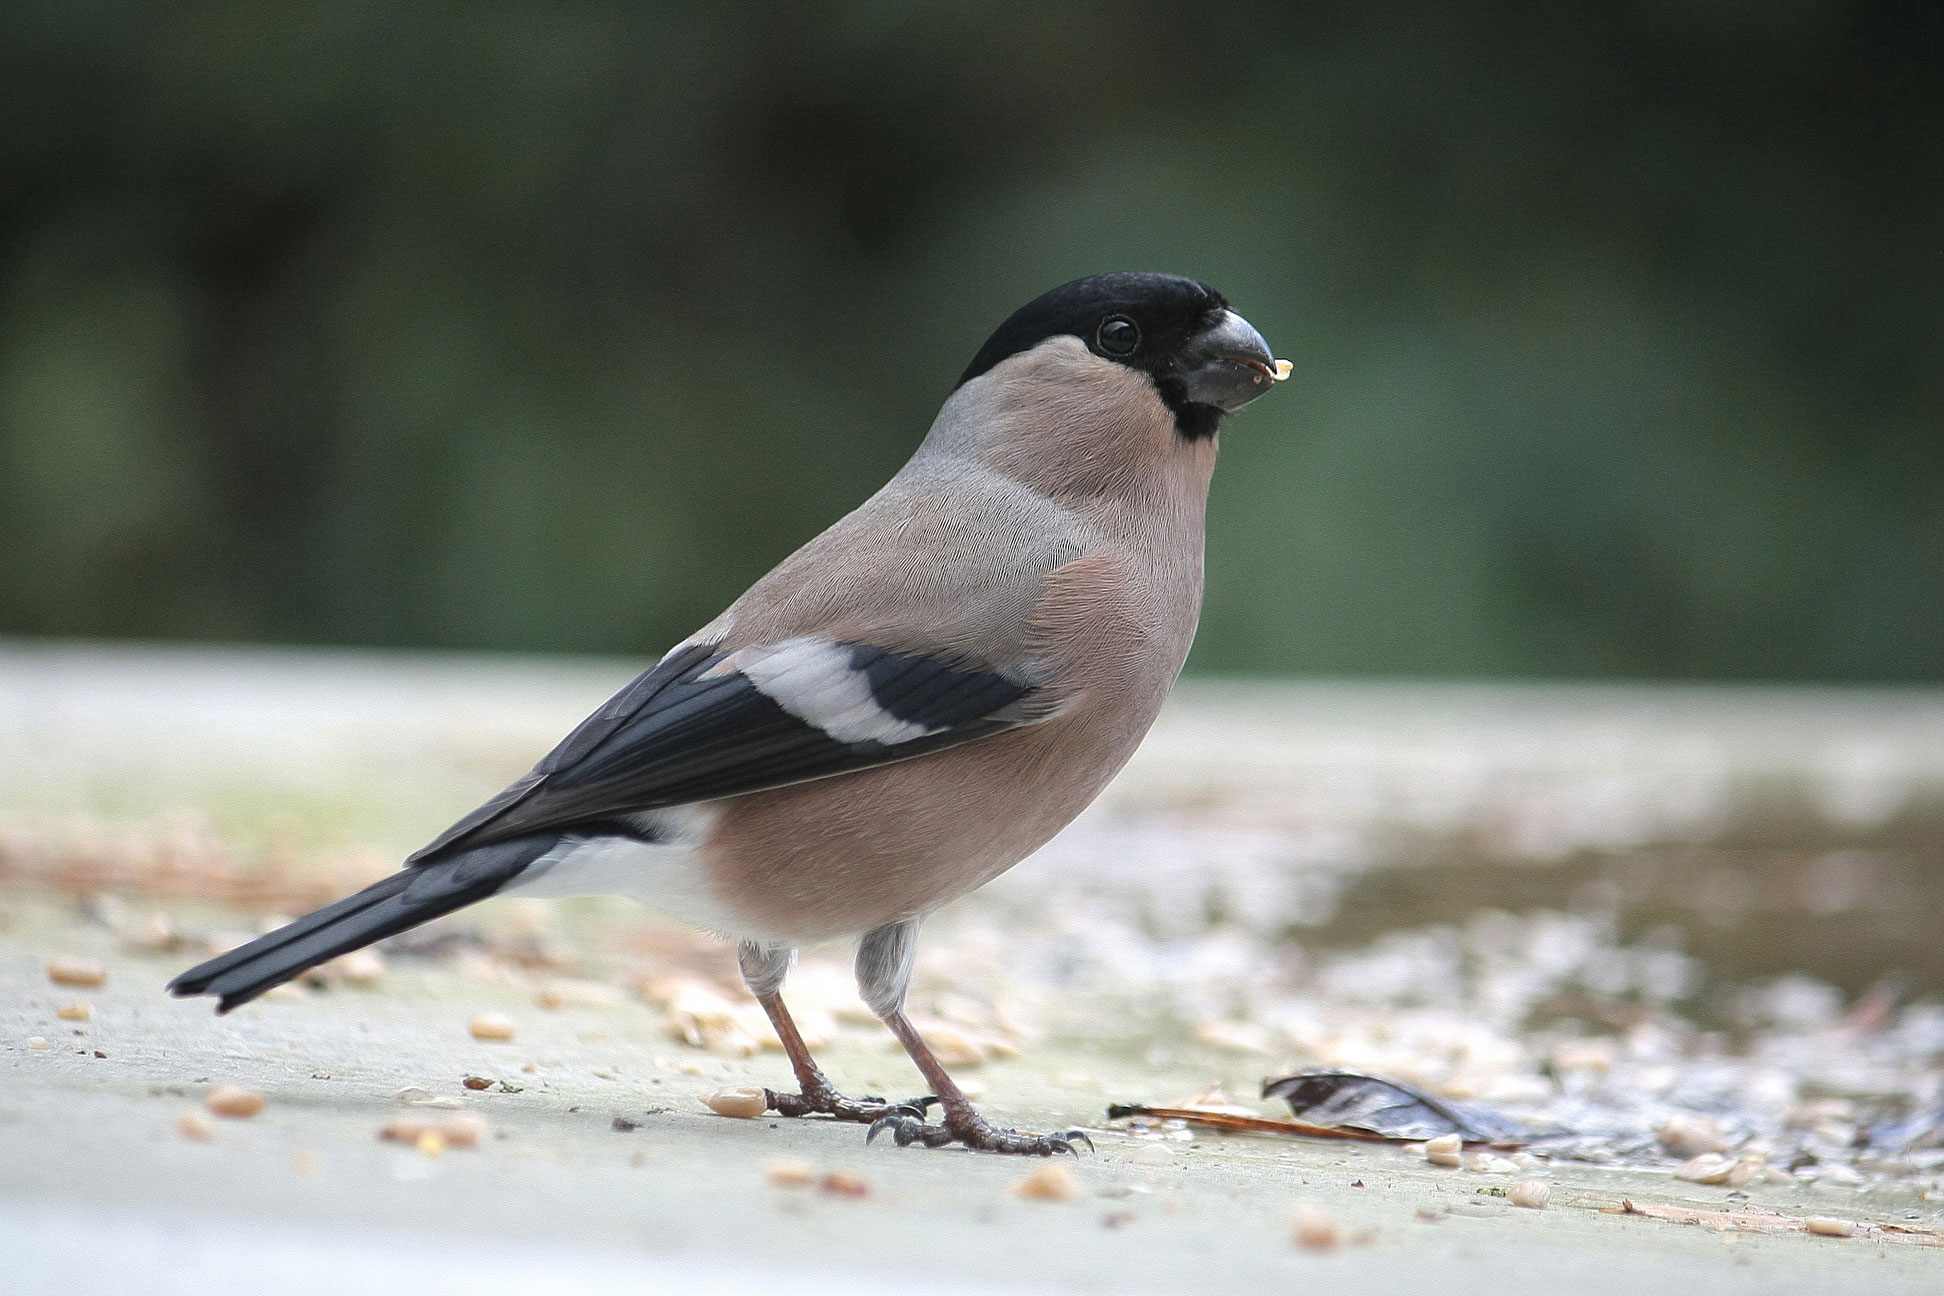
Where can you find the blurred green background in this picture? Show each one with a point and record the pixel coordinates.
(1618, 330)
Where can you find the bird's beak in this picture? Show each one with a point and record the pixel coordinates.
(1229, 365)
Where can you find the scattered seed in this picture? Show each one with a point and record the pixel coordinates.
(1491, 1163)
(192, 1125)
(1713, 1168)
(1051, 1182)
(1533, 1194)
(69, 971)
(232, 1102)
(952, 1045)
(790, 1174)
(563, 994)
(36, 1042)
(1822, 1226)
(477, 1083)
(492, 1026)
(79, 1010)
(1585, 1055)
(1838, 1175)
(1245, 1038)
(1708, 1168)
(1313, 1230)
(365, 967)
(839, 1184)
(1691, 1136)
(1445, 1150)
(152, 933)
(742, 1102)
(464, 1130)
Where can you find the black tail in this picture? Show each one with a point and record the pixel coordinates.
(405, 899)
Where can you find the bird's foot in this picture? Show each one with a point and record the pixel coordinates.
(977, 1133)
(823, 1100)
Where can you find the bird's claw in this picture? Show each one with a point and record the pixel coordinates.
(825, 1101)
(978, 1134)
(906, 1130)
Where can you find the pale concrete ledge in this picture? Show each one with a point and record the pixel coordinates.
(1602, 904)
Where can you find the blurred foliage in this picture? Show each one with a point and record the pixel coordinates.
(1619, 330)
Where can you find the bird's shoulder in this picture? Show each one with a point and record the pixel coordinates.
(948, 558)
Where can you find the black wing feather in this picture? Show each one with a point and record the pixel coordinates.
(677, 735)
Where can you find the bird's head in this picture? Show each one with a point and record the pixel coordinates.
(1203, 359)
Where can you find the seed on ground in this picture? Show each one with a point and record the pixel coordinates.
(742, 1102)
(1822, 1226)
(69, 971)
(406, 1129)
(192, 1125)
(790, 1174)
(79, 1010)
(365, 967)
(1530, 1193)
(1445, 1150)
(463, 1130)
(235, 1103)
(1051, 1182)
(1313, 1230)
(1689, 1136)
(477, 1083)
(1708, 1168)
(492, 1026)
(839, 1184)
(36, 1042)
(152, 933)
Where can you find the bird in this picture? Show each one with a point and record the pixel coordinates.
(901, 710)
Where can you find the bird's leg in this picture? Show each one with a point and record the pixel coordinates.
(763, 969)
(883, 972)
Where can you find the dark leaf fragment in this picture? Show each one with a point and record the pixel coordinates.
(1388, 1109)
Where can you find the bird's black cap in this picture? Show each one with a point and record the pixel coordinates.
(1160, 324)
(1167, 309)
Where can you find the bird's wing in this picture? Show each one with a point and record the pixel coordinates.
(705, 723)
(904, 628)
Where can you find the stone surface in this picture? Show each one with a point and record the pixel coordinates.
(600, 1170)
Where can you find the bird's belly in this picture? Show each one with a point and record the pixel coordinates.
(841, 856)
(667, 876)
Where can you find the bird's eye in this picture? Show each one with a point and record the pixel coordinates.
(1119, 335)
